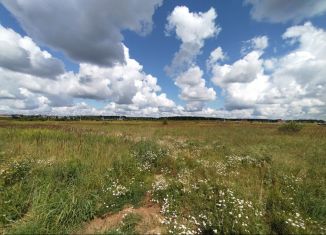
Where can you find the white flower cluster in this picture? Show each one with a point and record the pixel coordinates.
(235, 160)
(148, 159)
(218, 166)
(144, 166)
(17, 170)
(45, 162)
(159, 184)
(117, 189)
(239, 210)
(176, 224)
(185, 179)
(291, 182)
(296, 221)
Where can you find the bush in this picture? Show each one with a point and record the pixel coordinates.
(16, 172)
(149, 154)
(290, 127)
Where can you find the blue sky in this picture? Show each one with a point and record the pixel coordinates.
(260, 81)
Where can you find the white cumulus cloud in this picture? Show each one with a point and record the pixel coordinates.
(192, 29)
(241, 71)
(87, 31)
(125, 84)
(193, 86)
(277, 11)
(21, 54)
(290, 86)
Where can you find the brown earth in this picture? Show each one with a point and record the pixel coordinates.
(150, 219)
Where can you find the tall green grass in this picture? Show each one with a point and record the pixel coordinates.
(207, 177)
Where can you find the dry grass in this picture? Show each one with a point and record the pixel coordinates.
(223, 177)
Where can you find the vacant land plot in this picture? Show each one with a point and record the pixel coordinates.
(153, 177)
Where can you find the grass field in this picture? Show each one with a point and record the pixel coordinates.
(149, 177)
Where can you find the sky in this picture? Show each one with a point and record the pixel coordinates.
(214, 58)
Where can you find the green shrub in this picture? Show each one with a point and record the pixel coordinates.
(290, 127)
(16, 172)
(149, 154)
(165, 121)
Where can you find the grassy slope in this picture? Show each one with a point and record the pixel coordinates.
(214, 176)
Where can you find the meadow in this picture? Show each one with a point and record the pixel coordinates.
(177, 177)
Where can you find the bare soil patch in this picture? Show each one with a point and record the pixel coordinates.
(150, 219)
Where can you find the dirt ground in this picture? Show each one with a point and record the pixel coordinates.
(150, 219)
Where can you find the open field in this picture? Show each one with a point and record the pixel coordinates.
(146, 177)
